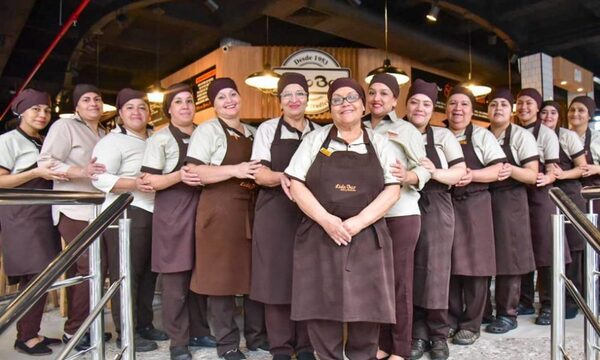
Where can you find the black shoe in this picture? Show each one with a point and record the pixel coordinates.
(141, 344)
(524, 310)
(264, 346)
(439, 350)
(571, 312)
(51, 341)
(151, 333)
(38, 349)
(281, 357)
(306, 355)
(544, 318)
(451, 332)
(465, 337)
(488, 319)
(418, 348)
(203, 341)
(85, 341)
(502, 325)
(234, 354)
(180, 353)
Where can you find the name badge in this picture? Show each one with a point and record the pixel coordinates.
(325, 151)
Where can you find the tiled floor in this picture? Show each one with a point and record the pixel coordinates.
(528, 341)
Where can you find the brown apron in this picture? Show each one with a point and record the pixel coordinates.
(434, 248)
(344, 283)
(30, 241)
(541, 209)
(473, 249)
(593, 180)
(512, 232)
(223, 232)
(275, 224)
(571, 187)
(173, 220)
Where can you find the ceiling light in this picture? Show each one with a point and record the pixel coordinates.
(433, 14)
(476, 89)
(107, 107)
(579, 89)
(265, 80)
(156, 96)
(564, 82)
(597, 118)
(212, 5)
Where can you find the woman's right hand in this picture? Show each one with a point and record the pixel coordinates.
(189, 177)
(246, 170)
(334, 227)
(48, 173)
(93, 168)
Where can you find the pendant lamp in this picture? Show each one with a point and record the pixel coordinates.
(265, 80)
(476, 89)
(387, 67)
(155, 93)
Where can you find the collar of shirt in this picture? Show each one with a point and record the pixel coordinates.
(101, 129)
(120, 129)
(391, 116)
(290, 128)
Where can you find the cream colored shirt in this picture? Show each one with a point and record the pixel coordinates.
(547, 141)
(570, 143)
(522, 144)
(121, 151)
(162, 152)
(70, 142)
(18, 152)
(446, 146)
(208, 144)
(311, 145)
(594, 145)
(409, 148)
(486, 147)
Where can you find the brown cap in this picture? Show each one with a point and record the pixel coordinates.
(81, 89)
(458, 89)
(345, 82)
(589, 103)
(171, 92)
(291, 78)
(552, 103)
(429, 89)
(387, 80)
(217, 85)
(28, 98)
(532, 93)
(128, 94)
(502, 93)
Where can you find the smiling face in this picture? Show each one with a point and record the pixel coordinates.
(350, 111)
(135, 114)
(293, 101)
(89, 106)
(182, 109)
(380, 100)
(499, 111)
(228, 104)
(459, 111)
(419, 109)
(578, 115)
(35, 119)
(527, 109)
(549, 116)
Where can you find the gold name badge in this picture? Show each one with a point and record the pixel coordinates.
(345, 187)
(325, 152)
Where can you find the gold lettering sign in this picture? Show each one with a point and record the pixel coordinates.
(345, 187)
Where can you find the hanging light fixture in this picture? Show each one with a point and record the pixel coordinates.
(265, 80)
(155, 93)
(433, 14)
(477, 90)
(387, 67)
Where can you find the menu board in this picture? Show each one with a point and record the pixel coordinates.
(199, 84)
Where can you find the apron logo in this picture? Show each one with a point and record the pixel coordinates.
(248, 185)
(345, 187)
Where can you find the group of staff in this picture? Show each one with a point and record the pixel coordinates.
(316, 226)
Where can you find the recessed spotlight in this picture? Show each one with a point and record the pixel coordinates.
(579, 89)
(563, 82)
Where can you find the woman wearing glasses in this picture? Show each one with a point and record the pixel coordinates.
(343, 269)
(277, 218)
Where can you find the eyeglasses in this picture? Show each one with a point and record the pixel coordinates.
(289, 95)
(350, 98)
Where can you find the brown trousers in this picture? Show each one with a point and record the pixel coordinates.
(28, 325)
(143, 280)
(466, 303)
(429, 324)
(544, 285)
(183, 311)
(78, 296)
(397, 339)
(221, 315)
(286, 336)
(508, 290)
(327, 337)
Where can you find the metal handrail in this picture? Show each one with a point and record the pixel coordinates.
(591, 192)
(49, 197)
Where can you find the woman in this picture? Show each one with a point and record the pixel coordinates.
(277, 219)
(579, 115)
(343, 270)
(404, 218)
(473, 255)
(446, 164)
(183, 312)
(512, 233)
(541, 208)
(121, 151)
(219, 154)
(68, 148)
(29, 239)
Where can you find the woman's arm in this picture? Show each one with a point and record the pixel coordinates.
(526, 174)
(213, 174)
(486, 175)
(9, 181)
(374, 211)
(267, 177)
(449, 176)
(575, 173)
(154, 182)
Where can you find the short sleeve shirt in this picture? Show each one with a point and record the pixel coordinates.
(446, 146)
(523, 146)
(570, 143)
(547, 141)
(162, 151)
(486, 147)
(594, 145)
(208, 144)
(18, 151)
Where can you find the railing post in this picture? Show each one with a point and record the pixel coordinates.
(558, 286)
(96, 287)
(127, 330)
(591, 265)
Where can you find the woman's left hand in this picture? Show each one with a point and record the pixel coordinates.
(353, 225)
(398, 170)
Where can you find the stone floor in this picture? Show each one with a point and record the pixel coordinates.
(528, 341)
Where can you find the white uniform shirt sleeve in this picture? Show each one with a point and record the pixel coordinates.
(491, 150)
(306, 153)
(202, 146)
(385, 153)
(551, 145)
(526, 146)
(573, 145)
(154, 160)
(7, 153)
(451, 148)
(261, 147)
(107, 154)
(57, 146)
